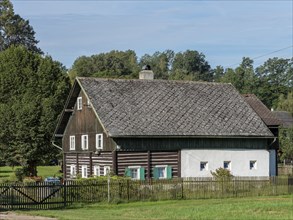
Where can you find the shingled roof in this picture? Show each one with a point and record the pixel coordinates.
(171, 108)
(285, 118)
(266, 115)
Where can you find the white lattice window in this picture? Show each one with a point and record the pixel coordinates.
(84, 142)
(97, 171)
(72, 171)
(72, 142)
(99, 141)
(84, 171)
(79, 103)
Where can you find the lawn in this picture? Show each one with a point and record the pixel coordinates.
(44, 171)
(279, 207)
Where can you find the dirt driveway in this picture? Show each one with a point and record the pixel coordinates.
(14, 216)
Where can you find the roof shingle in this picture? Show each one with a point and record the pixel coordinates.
(266, 115)
(171, 108)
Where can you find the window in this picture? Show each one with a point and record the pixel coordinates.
(227, 165)
(163, 172)
(72, 171)
(99, 141)
(203, 165)
(84, 142)
(106, 170)
(135, 172)
(79, 103)
(84, 171)
(97, 171)
(253, 165)
(88, 103)
(72, 142)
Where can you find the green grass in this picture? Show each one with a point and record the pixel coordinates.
(279, 207)
(44, 171)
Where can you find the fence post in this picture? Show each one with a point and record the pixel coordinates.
(64, 194)
(182, 189)
(127, 190)
(12, 197)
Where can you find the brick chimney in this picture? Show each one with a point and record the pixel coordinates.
(146, 73)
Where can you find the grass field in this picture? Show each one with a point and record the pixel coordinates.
(280, 207)
(44, 171)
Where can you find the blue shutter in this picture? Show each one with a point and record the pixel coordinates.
(156, 173)
(169, 172)
(142, 173)
(127, 172)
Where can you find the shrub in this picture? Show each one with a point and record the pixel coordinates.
(222, 174)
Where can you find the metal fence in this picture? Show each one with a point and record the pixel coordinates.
(48, 196)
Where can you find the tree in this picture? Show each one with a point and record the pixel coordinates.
(160, 63)
(115, 64)
(276, 75)
(32, 95)
(14, 30)
(286, 103)
(192, 64)
(286, 143)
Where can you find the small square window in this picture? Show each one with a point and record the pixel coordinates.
(84, 142)
(227, 165)
(79, 103)
(203, 165)
(253, 164)
(134, 172)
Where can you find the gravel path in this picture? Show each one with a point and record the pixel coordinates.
(14, 216)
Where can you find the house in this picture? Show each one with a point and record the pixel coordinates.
(149, 128)
(285, 118)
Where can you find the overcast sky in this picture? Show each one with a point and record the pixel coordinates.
(225, 31)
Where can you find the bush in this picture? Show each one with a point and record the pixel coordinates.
(222, 174)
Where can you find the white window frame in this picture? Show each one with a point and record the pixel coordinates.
(137, 168)
(105, 170)
(229, 164)
(97, 170)
(84, 145)
(79, 103)
(254, 167)
(84, 172)
(89, 103)
(99, 139)
(206, 166)
(165, 171)
(72, 142)
(72, 170)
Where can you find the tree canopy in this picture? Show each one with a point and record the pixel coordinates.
(32, 95)
(15, 30)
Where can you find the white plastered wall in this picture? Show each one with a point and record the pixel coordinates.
(240, 162)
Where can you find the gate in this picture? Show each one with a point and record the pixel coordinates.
(32, 196)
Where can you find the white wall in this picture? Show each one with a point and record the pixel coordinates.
(240, 159)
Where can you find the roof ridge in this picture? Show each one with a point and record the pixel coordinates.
(154, 80)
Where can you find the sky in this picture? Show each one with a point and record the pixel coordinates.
(224, 31)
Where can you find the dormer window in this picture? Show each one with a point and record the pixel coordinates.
(79, 103)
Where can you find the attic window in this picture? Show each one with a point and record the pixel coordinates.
(79, 103)
(99, 141)
(84, 142)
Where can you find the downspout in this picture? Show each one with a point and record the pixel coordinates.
(53, 143)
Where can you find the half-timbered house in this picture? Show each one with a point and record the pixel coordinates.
(149, 128)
